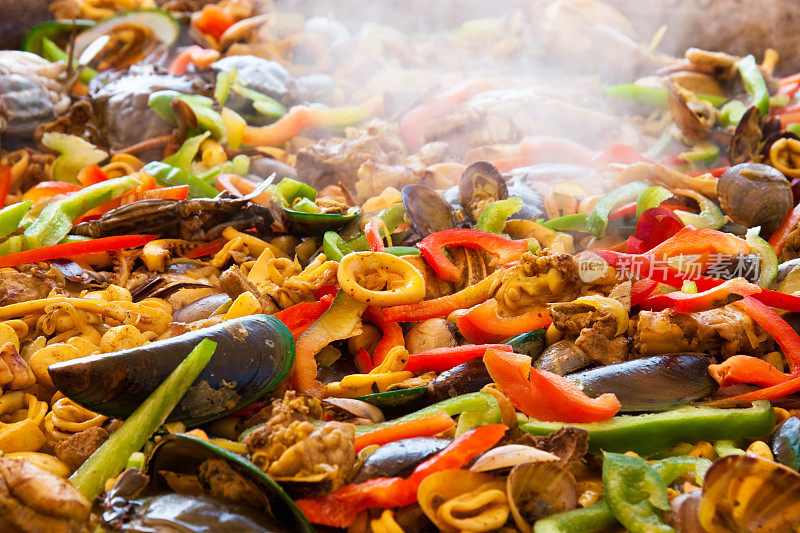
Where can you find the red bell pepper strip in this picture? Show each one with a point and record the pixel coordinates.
(363, 361)
(213, 20)
(48, 189)
(642, 289)
(790, 386)
(193, 55)
(504, 250)
(654, 227)
(786, 337)
(339, 509)
(702, 242)
(5, 183)
(91, 175)
(746, 369)
(444, 305)
(299, 317)
(682, 302)
(487, 326)
(373, 232)
(326, 289)
(208, 248)
(543, 395)
(425, 426)
(778, 239)
(392, 334)
(629, 210)
(716, 172)
(441, 359)
(74, 249)
(622, 154)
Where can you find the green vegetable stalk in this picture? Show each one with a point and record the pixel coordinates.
(110, 459)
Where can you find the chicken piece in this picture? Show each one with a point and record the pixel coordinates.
(726, 330)
(569, 443)
(538, 279)
(791, 249)
(16, 287)
(33, 500)
(75, 449)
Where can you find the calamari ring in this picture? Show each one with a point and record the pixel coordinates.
(408, 290)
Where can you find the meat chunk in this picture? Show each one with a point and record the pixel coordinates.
(75, 449)
(538, 278)
(569, 443)
(595, 329)
(726, 330)
(290, 448)
(16, 286)
(791, 249)
(33, 500)
(234, 283)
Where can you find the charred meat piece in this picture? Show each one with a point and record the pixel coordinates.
(726, 331)
(16, 287)
(33, 500)
(76, 448)
(569, 443)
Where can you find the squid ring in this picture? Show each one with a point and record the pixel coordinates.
(409, 289)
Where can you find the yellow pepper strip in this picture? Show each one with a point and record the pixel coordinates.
(254, 244)
(615, 306)
(395, 361)
(244, 305)
(361, 264)
(354, 385)
(386, 523)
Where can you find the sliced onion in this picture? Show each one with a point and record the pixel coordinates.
(509, 456)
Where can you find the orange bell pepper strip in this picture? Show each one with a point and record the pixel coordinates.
(620, 153)
(442, 359)
(682, 302)
(206, 248)
(504, 250)
(790, 386)
(444, 305)
(641, 290)
(543, 395)
(300, 316)
(193, 55)
(701, 242)
(392, 334)
(778, 239)
(75, 249)
(482, 324)
(91, 175)
(786, 337)
(340, 508)
(746, 369)
(363, 361)
(213, 20)
(425, 426)
(48, 189)
(300, 118)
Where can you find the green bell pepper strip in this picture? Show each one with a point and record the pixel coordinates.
(709, 217)
(593, 519)
(673, 467)
(480, 402)
(183, 158)
(530, 343)
(288, 190)
(653, 432)
(731, 113)
(655, 96)
(304, 205)
(392, 216)
(768, 269)
(493, 217)
(703, 154)
(207, 119)
(222, 87)
(11, 216)
(727, 447)
(262, 103)
(169, 176)
(754, 83)
(794, 128)
(75, 153)
(52, 53)
(110, 458)
(598, 218)
(689, 287)
(651, 197)
(574, 222)
(334, 247)
(403, 250)
(56, 219)
(635, 493)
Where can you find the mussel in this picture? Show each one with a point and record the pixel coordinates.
(467, 377)
(785, 443)
(745, 493)
(253, 356)
(195, 486)
(426, 210)
(480, 184)
(651, 383)
(399, 458)
(752, 194)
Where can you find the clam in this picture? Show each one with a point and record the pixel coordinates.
(537, 490)
(460, 500)
(426, 210)
(193, 485)
(651, 383)
(752, 194)
(694, 117)
(745, 493)
(561, 358)
(399, 458)
(254, 354)
(509, 456)
(480, 184)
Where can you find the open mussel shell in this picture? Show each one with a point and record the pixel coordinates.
(536, 490)
(201, 309)
(316, 223)
(426, 210)
(745, 493)
(399, 458)
(254, 354)
(785, 443)
(480, 184)
(651, 383)
(183, 454)
(467, 377)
